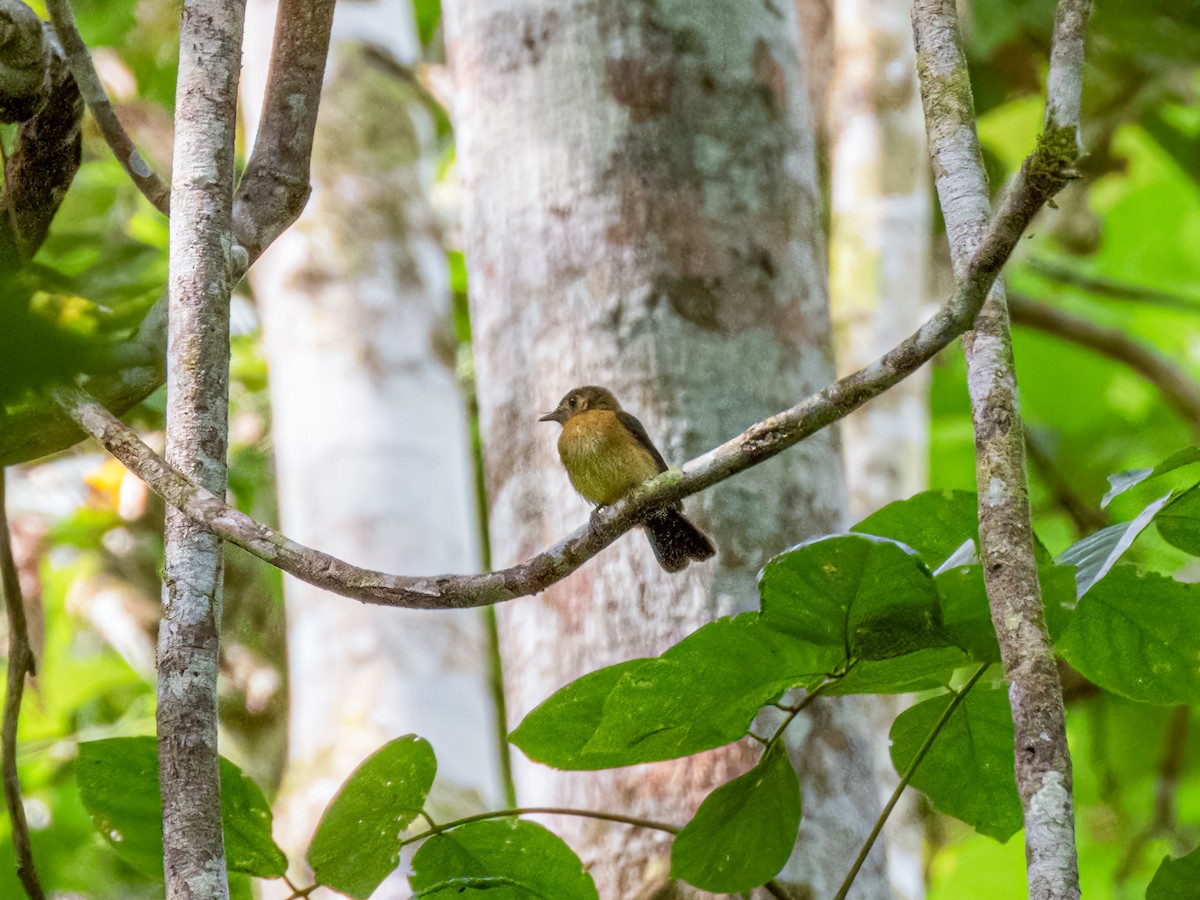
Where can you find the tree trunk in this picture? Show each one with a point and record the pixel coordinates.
(642, 213)
(879, 254)
(371, 441)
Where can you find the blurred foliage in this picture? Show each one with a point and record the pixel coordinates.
(1119, 251)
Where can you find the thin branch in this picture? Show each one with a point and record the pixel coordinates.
(635, 821)
(1178, 389)
(909, 771)
(1086, 517)
(1043, 762)
(96, 98)
(1103, 287)
(275, 185)
(757, 444)
(20, 664)
(201, 258)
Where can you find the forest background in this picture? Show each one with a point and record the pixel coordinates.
(362, 422)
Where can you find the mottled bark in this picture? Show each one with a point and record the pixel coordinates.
(1043, 762)
(197, 412)
(355, 304)
(642, 213)
(878, 259)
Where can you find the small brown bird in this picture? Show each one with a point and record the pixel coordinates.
(607, 454)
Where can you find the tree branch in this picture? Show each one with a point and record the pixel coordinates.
(23, 54)
(210, 47)
(20, 664)
(152, 187)
(1043, 762)
(1179, 390)
(275, 185)
(758, 443)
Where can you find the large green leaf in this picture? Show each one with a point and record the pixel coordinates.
(934, 523)
(856, 596)
(702, 693)
(1138, 635)
(744, 831)
(504, 860)
(118, 782)
(1176, 879)
(1179, 522)
(968, 772)
(357, 843)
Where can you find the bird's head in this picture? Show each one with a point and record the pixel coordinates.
(581, 400)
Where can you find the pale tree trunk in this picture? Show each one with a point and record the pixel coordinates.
(879, 249)
(371, 440)
(641, 212)
(210, 38)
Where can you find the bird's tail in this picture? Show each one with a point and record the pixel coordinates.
(675, 540)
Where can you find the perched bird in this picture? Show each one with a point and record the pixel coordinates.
(607, 454)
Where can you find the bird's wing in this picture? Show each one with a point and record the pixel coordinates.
(639, 432)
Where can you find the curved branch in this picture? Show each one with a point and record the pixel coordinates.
(758, 443)
(1177, 388)
(152, 187)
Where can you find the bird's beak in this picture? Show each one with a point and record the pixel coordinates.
(557, 416)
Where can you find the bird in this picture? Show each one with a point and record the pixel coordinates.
(607, 453)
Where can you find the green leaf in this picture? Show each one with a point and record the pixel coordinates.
(429, 16)
(744, 831)
(1123, 481)
(1138, 635)
(556, 732)
(504, 860)
(856, 596)
(968, 772)
(934, 523)
(1179, 522)
(1096, 554)
(118, 782)
(357, 843)
(1175, 879)
(702, 693)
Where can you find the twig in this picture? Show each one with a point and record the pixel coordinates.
(210, 47)
(1179, 390)
(275, 185)
(20, 663)
(635, 821)
(1087, 518)
(96, 98)
(1043, 762)
(1102, 287)
(909, 771)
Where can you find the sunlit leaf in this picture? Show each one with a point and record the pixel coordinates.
(357, 843)
(968, 772)
(503, 860)
(1138, 635)
(744, 831)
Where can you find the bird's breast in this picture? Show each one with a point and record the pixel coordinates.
(603, 459)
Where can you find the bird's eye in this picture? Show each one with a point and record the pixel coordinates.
(571, 402)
